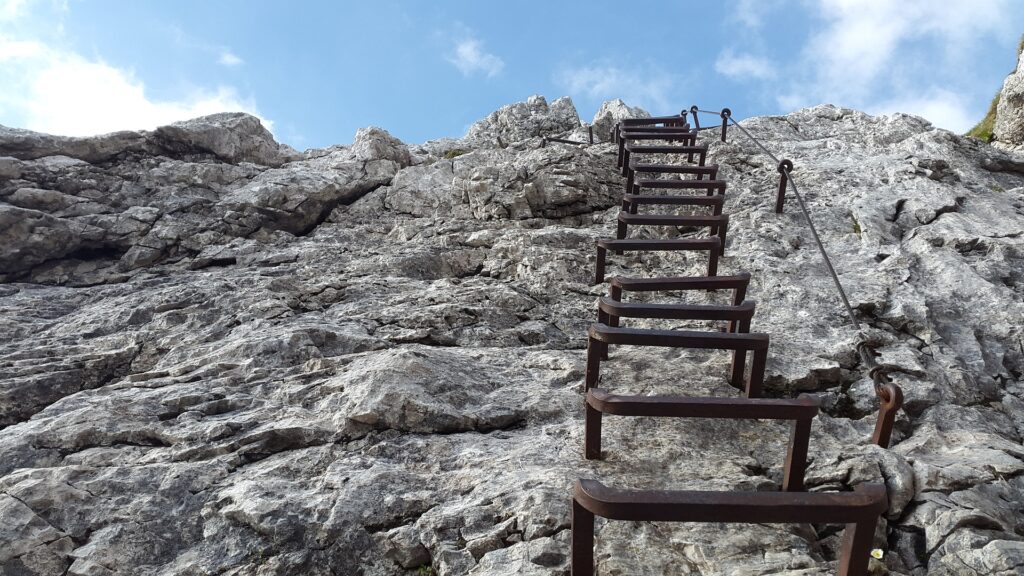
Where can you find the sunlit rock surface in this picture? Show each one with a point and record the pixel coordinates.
(221, 356)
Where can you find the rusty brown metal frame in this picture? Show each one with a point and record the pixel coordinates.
(610, 310)
(801, 411)
(712, 245)
(738, 284)
(858, 510)
(669, 134)
(719, 225)
(712, 186)
(628, 149)
(739, 342)
(635, 169)
(660, 123)
(632, 202)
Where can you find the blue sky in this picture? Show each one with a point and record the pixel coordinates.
(317, 71)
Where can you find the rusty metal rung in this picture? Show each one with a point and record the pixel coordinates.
(663, 134)
(627, 149)
(631, 202)
(738, 284)
(738, 339)
(858, 510)
(700, 172)
(801, 411)
(715, 201)
(667, 184)
(610, 310)
(616, 308)
(711, 169)
(651, 128)
(675, 119)
(755, 341)
(719, 224)
(713, 246)
(664, 149)
(803, 408)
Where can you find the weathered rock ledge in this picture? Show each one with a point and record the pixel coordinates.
(222, 356)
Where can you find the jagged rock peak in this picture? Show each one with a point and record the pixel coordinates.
(1009, 125)
(611, 112)
(231, 137)
(524, 120)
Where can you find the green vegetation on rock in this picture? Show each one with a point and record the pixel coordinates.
(983, 129)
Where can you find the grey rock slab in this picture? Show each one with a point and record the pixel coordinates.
(219, 356)
(1009, 124)
(524, 120)
(610, 113)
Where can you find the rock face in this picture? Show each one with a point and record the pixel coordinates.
(610, 113)
(368, 359)
(1009, 125)
(523, 120)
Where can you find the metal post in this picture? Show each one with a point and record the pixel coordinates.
(582, 562)
(784, 168)
(696, 120)
(855, 550)
(593, 373)
(590, 131)
(891, 397)
(796, 457)
(591, 432)
(726, 113)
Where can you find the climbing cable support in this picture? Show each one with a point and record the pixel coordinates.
(673, 142)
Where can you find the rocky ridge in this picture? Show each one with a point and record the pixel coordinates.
(224, 356)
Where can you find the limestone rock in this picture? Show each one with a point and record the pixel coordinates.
(1009, 124)
(369, 359)
(232, 137)
(610, 113)
(523, 120)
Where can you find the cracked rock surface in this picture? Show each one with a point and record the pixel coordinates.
(222, 356)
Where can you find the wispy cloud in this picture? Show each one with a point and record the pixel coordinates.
(751, 13)
(223, 55)
(55, 90)
(470, 58)
(11, 9)
(856, 58)
(229, 59)
(48, 86)
(744, 66)
(644, 86)
(941, 107)
(870, 57)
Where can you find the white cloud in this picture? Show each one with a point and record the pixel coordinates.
(229, 59)
(860, 48)
(648, 88)
(61, 92)
(941, 107)
(11, 9)
(743, 66)
(469, 57)
(751, 13)
(912, 56)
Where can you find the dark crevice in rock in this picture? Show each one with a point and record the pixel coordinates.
(329, 207)
(957, 204)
